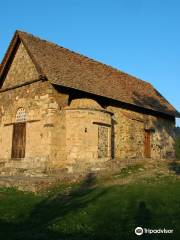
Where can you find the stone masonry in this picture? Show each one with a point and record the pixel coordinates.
(68, 130)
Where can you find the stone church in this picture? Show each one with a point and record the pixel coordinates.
(62, 110)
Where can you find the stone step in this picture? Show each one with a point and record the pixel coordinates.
(23, 183)
(9, 171)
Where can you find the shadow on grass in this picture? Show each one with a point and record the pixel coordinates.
(88, 212)
(36, 226)
(143, 216)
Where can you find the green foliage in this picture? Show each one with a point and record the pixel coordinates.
(177, 132)
(178, 148)
(90, 211)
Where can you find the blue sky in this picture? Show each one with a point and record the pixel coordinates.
(141, 37)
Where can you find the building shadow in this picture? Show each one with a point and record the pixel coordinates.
(55, 207)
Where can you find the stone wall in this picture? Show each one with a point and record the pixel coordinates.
(37, 99)
(129, 131)
(83, 121)
(63, 135)
(163, 139)
(82, 139)
(58, 130)
(22, 69)
(103, 141)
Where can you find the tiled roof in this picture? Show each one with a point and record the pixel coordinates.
(67, 68)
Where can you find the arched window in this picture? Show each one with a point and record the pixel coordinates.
(21, 115)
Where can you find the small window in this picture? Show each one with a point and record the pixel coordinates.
(21, 115)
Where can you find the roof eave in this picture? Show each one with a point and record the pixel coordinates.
(175, 114)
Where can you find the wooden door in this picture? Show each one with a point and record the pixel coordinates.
(18, 140)
(147, 144)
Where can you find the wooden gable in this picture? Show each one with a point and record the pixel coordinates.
(21, 69)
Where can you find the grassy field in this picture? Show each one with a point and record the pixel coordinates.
(93, 209)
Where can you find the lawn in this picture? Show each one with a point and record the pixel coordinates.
(92, 210)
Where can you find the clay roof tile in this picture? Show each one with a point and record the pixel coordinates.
(64, 67)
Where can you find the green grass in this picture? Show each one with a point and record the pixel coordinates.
(126, 171)
(88, 211)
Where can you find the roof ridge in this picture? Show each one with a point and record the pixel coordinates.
(81, 55)
(67, 68)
